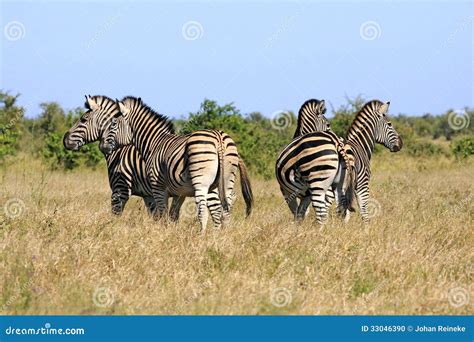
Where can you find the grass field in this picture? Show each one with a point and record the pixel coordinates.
(62, 252)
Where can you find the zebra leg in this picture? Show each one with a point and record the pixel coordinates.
(175, 207)
(290, 199)
(303, 207)
(118, 200)
(363, 199)
(318, 189)
(200, 197)
(341, 210)
(160, 195)
(215, 208)
(150, 205)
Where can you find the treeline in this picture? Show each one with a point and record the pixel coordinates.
(259, 138)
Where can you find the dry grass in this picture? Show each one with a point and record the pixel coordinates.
(416, 257)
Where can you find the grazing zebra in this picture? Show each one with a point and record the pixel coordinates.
(371, 125)
(298, 168)
(179, 165)
(126, 168)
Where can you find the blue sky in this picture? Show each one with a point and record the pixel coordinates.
(262, 55)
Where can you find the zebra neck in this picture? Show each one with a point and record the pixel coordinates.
(304, 130)
(362, 140)
(147, 134)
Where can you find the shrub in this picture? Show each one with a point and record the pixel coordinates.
(423, 148)
(58, 157)
(463, 147)
(258, 141)
(11, 117)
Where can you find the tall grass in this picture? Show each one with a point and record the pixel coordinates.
(62, 252)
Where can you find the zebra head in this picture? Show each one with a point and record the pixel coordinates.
(116, 135)
(91, 125)
(311, 118)
(384, 132)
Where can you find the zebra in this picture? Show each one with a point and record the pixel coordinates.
(126, 168)
(371, 125)
(297, 170)
(179, 165)
(311, 118)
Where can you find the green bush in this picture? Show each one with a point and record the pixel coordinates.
(11, 118)
(423, 148)
(58, 157)
(49, 129)
(258, 140)
(463, 147)
(345, 114)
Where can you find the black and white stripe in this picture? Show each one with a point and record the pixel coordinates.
(126, 168)
(307, 168)
(311, 119)
(370, 126)
(192, 165)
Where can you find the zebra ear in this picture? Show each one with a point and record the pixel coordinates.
(91, 102)
(123, 108)
(322, 107)
(384, 108)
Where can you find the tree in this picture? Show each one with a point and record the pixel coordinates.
(11, 117)
(345, 114)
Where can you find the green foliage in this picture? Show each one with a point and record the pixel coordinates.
(258, 141)
(11, 117)
(53, 125)
(463, 147)
(259, 138)
(52, 119)
(345, 114)
(423, 148)
(58, 157)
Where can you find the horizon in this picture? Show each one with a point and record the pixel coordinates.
(174, 55)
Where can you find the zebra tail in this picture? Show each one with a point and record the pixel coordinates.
(246, 187)
(221, 185)
(350, 183)
(350, 178)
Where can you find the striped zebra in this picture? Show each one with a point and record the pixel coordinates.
(312, 166)
(179, 165)
(370, 126)
(311, 118)
(126, 168)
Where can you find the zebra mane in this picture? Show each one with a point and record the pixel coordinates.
(370, 108)
(100, 99)
(137, 104)
(368, 112)
(307, 117)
